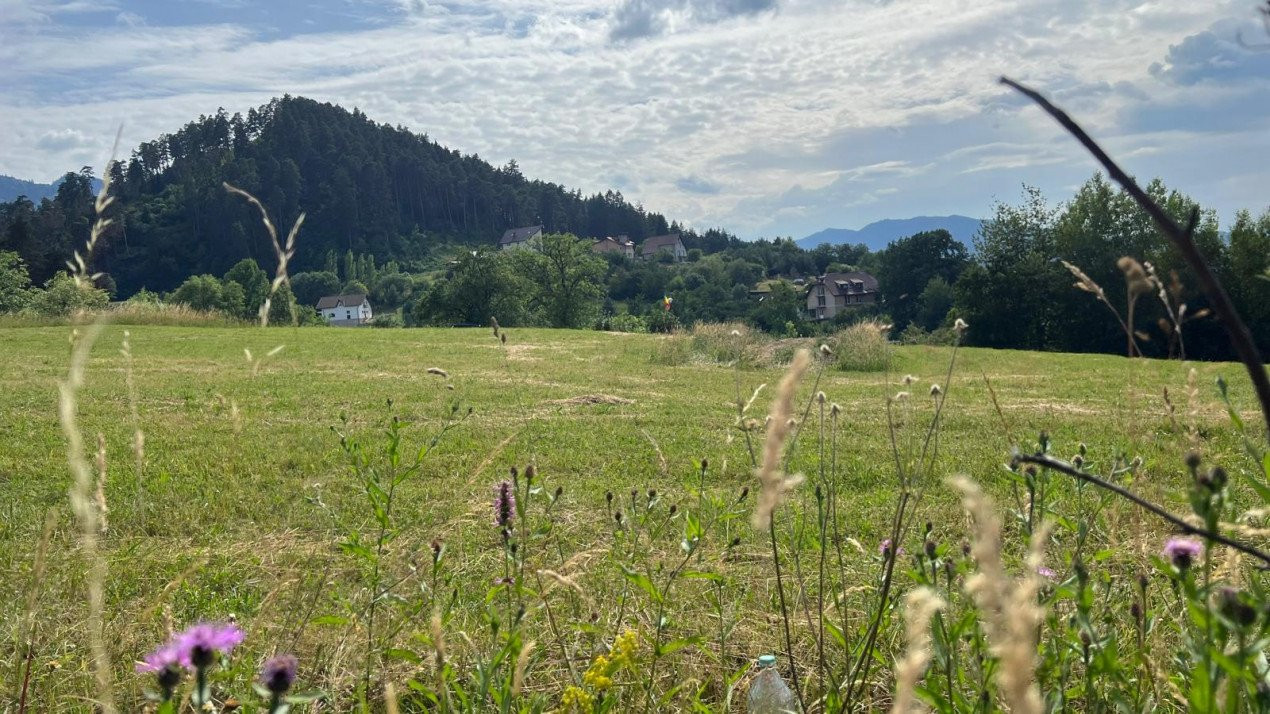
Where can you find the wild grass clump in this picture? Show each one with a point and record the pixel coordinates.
(862, 347)
(126, 313)
(723, 343)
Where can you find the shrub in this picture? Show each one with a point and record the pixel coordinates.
(661, 321)
(726, 343)
(862, 347)
(62, 297)
(915, 334)
(621, 323)
(387, 319)
(201, 292)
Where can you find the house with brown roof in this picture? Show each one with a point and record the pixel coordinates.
(526, 237)
(669, 243)
(832, 293)
(620, 245)
(345, 310)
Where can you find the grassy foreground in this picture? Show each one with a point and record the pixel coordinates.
(245, 492)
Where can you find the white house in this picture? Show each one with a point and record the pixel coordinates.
(527, 237)
(832, 293)
(345, 310)
(669, 243)
(621, 245)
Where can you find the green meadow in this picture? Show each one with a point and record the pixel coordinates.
(244, 494)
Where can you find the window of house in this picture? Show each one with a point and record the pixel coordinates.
(348, 315)
(821, 300)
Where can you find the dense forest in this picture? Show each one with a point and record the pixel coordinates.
(414, 225)
(366, 187)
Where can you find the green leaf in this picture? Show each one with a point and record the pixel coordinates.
(306, 697)
(836, 633)
(675, 645)
(643, 582)
(358, 550)
(333, 620)
(403, 655)
(1199, 699)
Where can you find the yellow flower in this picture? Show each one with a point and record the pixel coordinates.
(624, 648)
(575, 699)
(597, 675)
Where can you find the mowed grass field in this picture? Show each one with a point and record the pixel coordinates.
(245, 492)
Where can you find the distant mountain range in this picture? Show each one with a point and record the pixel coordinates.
(877, 234)
(11, 188)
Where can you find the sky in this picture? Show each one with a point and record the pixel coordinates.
(765, 117)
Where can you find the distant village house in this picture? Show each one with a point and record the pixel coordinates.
(345, 310)
(527, 237)
(669, 243)
(619, 245)
(832, 293)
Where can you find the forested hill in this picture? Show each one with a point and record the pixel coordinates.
(366, 187)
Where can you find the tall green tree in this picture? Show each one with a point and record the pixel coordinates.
(909, 264)
(1007, 293)
(1249, 283)
(201, 292)
(310, 287)
(565, 279)
(481, 284)
(15, 282)
(254, 282)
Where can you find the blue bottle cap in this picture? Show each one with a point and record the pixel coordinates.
(767, 661)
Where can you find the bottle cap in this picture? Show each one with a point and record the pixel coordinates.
(767, 661)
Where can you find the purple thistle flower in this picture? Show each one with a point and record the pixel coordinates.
(196, 646)
(165, 662)
(885, 548)
(278, 674)
(504, 503)
(160, 659)
(1182, 551)
(1045, 572)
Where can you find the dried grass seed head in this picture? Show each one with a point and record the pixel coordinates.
(774, 484)
(1135, 276)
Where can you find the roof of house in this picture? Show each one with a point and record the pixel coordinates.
(856, 282)
(330, 301)
(656, 243)
(610, 243)
(519, 235)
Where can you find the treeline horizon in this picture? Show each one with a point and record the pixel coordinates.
(419, 223)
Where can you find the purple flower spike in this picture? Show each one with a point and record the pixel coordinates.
(1045, 572)
(504, 503)
(196, 646)
(278, 674)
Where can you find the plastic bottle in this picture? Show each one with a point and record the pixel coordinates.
(768, 692)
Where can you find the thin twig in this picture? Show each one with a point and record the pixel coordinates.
(1053, 464)
(1184, 239)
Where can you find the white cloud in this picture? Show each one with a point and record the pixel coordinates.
(761, 117)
